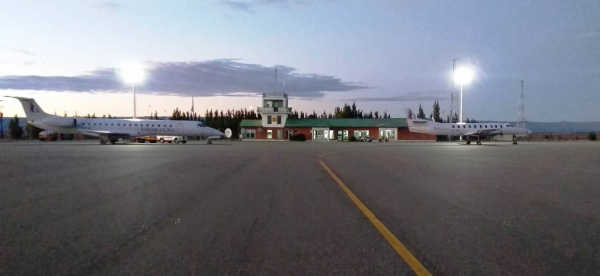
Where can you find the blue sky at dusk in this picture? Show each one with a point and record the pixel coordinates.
(385, 55)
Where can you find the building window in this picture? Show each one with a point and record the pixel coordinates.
(268, 119)
(269, 134)
(279, 120)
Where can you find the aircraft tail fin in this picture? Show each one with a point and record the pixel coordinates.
(32, 110)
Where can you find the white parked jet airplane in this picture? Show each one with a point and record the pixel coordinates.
(110, 130)
(470, 130)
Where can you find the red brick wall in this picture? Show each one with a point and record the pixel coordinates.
(303, 130)
(261, 132)
(405, 135)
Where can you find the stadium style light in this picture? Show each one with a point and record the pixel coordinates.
(462, 76)
(133, 74)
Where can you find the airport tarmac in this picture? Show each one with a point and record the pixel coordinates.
(272, 208)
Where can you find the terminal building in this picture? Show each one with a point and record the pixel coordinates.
(275, 125)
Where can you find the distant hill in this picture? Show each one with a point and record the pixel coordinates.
(564, 127)
(559, 127)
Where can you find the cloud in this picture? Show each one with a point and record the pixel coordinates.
(410, 97)
(237, 5)
(110, 6)
(250, 5)
(19, 51)
(224, 77)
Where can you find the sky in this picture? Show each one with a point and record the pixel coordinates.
(385, 55)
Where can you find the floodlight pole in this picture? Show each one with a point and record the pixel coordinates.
(134, 103)
(461, 103)
(461, 107)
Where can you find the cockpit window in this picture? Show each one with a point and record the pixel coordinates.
(201, 125)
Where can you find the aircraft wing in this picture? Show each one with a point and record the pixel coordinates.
(485, 132)
(110, 134)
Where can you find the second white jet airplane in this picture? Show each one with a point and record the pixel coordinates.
(470, 130)
(111, 130)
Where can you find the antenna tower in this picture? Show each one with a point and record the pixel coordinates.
(521, 112)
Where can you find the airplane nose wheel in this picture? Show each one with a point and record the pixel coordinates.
(209, 142)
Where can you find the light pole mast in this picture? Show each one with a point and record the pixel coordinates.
(133, 74)
(134, 103)
(521, 113)
(461, 104)
(1, 123)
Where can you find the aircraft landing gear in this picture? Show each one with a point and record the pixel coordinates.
(468, 140)
(479, 140)
(102, 141)
(209, 142)
(113, 141)
(515, 140)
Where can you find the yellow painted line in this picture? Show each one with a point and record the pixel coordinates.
(408, 257)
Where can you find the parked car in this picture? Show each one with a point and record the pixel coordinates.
(172, 139)
(48, 136)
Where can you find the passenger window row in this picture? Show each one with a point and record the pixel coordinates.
(475, 126)
(106, 124)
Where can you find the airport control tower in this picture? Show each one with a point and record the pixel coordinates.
(274, 110)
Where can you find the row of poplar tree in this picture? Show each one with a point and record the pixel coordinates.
(435, 115)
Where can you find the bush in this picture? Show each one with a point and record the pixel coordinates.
(352, 139)
(298, 137)
(592, 136)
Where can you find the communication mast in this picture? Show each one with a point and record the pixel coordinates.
(276, 78)
(453, 105)
(521, 112)
(453, 96)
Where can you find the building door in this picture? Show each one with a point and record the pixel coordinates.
(320, 134)
(279, 134)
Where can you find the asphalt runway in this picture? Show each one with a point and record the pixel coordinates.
(270, 208)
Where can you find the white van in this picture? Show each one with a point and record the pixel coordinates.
(172, 139)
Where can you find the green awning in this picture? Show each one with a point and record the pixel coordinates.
(392, 122)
